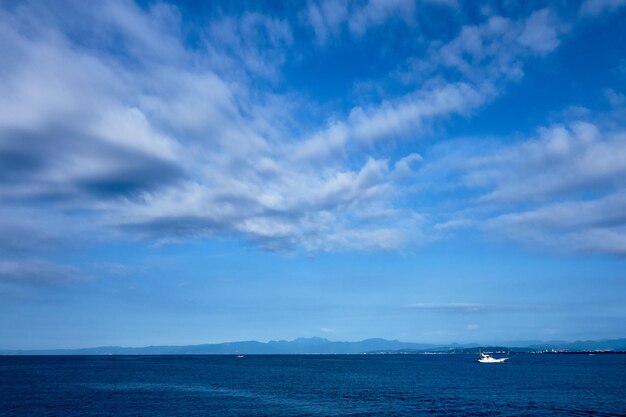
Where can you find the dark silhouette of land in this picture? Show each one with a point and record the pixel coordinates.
(317, 345)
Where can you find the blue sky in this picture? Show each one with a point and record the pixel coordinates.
(429, 171)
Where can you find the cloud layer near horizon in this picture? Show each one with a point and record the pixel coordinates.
(112, 118)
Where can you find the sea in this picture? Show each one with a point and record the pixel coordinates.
(313, 385)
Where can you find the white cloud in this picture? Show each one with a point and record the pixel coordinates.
(560, 159)
(375, 12)
(479, 50)
(496, 49)
(474, 308)
(539, 34)
(328, 18)
(253, 41)
(323, 145)
(596, 7)
(571, 215)
(311, 211)
(561, 189)
(40, 273)
(409, 114)
(166, 143)
(614, 98)
(405, 166)
(452, 307)
(484, 56)
(407, 117)
(580, 226)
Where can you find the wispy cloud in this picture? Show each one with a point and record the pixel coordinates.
(107, 110)
(40, 273)
(326, 18)
(166, 131)
(596, 7)
(329, 19)
(253, 41)
(568, 179)
(473, 308)
(375, 12)
(483, 57)
(453, 307)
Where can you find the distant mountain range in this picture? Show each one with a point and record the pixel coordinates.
(318, 345)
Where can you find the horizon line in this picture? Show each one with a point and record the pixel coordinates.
(508, 343)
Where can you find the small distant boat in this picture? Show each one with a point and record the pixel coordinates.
(486, 358)
(239, 356)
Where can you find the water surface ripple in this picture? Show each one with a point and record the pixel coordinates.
(312, 385)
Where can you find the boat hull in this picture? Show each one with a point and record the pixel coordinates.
(492, 360)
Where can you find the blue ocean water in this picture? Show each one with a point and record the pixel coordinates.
(312, 385)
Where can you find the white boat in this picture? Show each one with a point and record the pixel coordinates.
(486, 358)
